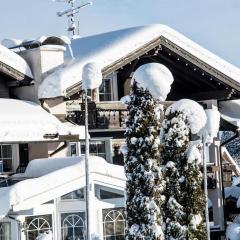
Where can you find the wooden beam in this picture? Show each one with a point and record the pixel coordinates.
(217, 94)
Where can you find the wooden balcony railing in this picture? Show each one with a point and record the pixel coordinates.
(102, 116)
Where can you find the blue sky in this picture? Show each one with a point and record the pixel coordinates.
(214, 24)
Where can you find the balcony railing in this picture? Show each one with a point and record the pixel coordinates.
(110, 115)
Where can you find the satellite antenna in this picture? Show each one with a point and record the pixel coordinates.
(70, 13)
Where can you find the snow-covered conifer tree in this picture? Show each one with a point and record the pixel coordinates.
(184, 204)
(143, 187)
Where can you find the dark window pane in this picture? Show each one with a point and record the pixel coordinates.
(6, 151)
(108, 195)
(109, 228)
(119, 227)
(73, 149)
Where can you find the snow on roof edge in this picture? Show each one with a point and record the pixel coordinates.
(121, 46)
(15, 61)
(35, 191)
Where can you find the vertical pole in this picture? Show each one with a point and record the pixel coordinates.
(205, 148)
(87, 188)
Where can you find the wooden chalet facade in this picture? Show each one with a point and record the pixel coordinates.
(198, 75)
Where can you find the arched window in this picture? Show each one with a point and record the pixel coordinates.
(113, 224)
(73, 226)
(37, 225)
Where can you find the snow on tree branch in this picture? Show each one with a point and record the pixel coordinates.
(156, 78)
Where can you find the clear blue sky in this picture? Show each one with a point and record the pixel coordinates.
(214, 24)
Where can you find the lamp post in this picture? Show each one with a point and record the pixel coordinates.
(87, 172)
(205, 152)
(91, 79)
(209, 133)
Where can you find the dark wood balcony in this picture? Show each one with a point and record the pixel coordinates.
(102, 115)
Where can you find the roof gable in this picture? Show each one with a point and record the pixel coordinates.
(114, 49)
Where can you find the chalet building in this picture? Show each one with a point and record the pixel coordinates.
(49, 73)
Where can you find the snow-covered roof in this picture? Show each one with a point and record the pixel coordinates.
(58, 181)
(230, 111)
(14, 61)
(23, 121)
(110, 48)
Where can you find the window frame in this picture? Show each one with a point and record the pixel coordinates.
(3, 234)
(73, 199)
(110, 79)
(11, 159)
(38, 217)
(110, 210)
(81, 216)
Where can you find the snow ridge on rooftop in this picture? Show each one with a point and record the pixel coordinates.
(107, 48)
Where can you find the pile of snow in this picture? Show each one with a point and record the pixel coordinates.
(30, 122)
(156, 78)
(213, 123)
(230, 111)
(91, 76)
(125, 99)
(15, 61)
(233, 191)
(195, 114)
(235, 181)
(195, 221)
(45, 236)
(11, 42)
(64, 178)
(40, 167)
(194, 153)
(233, 231)
(14, 43)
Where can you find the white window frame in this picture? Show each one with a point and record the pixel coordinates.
(39, 217)
(114, 88)
(73, 199)
(114, 222)
(70, 213)
(108, 150)
(3, 234)
(14, 158)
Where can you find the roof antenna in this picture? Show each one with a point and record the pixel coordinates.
(70, 13)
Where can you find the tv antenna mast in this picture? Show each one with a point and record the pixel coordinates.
(70, 13)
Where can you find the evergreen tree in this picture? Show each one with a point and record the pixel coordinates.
(184, 204)
(143, 186)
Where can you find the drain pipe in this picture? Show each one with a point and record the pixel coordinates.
(221, 169)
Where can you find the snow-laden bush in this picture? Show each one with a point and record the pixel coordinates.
(183, 209)
(144, 183)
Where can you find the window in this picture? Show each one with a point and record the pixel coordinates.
(75, 195)
(36, 225)
(73, 226)
(113, 224)
(5, 231)
(73, 149)
(6, 158)
(109, 195)
(97, 148)
(105, 90)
